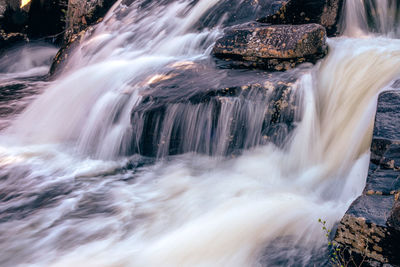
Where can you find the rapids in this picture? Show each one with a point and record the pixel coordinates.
(71, 195)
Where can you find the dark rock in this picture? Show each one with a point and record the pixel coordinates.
(82, 14)
(228, 13)
(383, 181)
(60, 61)
(364, 230)
(370, 227)
(233, 12)
(394, 219)
(387, 117)
(325, 12)
(13, 19)
(46, 18)
(197, 108)
(274, 47)
(10, 39)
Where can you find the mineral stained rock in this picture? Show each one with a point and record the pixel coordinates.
(272, 47)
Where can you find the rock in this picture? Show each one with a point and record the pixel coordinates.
(325, 12)
(9, 39)
(273, 47)
(394, 219)
(228, 13)
(233, 12)
(13, 19)
(82, 14)
(371, 226)
(193, 107)
(47, 18)
(60, 61)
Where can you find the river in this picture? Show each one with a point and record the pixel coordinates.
(73, 194)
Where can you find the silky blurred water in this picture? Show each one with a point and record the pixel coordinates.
(70, 197)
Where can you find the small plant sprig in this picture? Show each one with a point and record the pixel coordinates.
(334, 258)
(337, 256)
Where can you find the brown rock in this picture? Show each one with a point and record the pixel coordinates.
(276, 47)
(80, 14)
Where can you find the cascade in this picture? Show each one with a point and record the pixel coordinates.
(75, 191)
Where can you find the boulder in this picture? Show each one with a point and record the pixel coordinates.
(272, 47)
(194, 107)
(324, 12)
(370, 227)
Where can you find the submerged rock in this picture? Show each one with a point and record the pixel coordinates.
(273, 47)
(197, 108)
(370, 227)
(327, 13)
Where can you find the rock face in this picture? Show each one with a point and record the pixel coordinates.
(324, 12)
(273, 47)
(13, 24)
(46, 18)
(10, 39)
(371, 225)
(197, 108)
(81, 14)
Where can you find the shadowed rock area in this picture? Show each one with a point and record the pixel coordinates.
(81, 14)
(324, 12)
(224, 111)
(371, 225)
(273, 47)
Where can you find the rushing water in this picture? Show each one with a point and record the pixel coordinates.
(71, 195)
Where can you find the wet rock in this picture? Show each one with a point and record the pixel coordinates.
(370, 227)
(273, 47)
(324, 12)
(9, 39)
(82, 14)
(196, 108)
(233, 12)
(394, 219)
(60, 61)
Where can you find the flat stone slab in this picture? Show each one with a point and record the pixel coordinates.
(274, 47)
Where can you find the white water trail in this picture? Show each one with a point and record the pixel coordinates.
(26, 61)
(194, 211)
(372, 18)
(90, 105)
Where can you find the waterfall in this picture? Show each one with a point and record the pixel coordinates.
(75, 192)
(378, 17)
